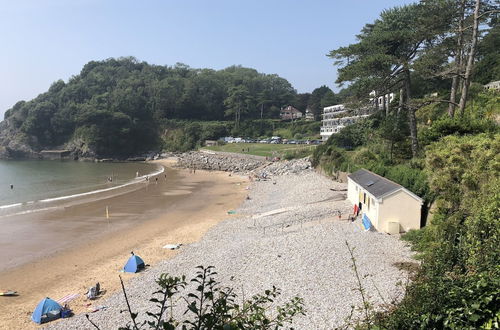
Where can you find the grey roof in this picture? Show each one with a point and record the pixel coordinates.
(375, 184)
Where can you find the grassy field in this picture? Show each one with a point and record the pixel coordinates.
(264, 149)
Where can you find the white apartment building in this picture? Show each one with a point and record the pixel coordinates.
(332, 122)
(383, 101)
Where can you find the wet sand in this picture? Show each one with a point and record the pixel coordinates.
(69, 249)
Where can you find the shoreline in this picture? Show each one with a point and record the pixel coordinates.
(82, 196)
(162, 212)
(286, 234)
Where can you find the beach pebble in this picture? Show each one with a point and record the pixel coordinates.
(287, 235)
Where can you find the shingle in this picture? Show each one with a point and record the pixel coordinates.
(375, 184)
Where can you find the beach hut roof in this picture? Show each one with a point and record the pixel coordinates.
(45, 306)
(379, 186)
(134, 264)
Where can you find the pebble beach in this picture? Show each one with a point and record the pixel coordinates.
(288, 234)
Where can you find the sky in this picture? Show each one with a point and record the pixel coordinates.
(43, 41)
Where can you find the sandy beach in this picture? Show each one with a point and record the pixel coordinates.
(287, 234)
(87, 248)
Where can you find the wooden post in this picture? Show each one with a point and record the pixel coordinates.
(107, 214)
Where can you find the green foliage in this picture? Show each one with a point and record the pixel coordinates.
(321, 97)
(458, 286)
(183, 135)
(266, 149)
(211, 306)
(116, 105)
(488, 66)
(300, 152)
(459, 165)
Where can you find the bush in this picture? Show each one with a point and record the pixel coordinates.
(455, 126)
(211, 306)
(458, 285)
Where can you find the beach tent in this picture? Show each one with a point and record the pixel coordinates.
(46, 310)
(134, 264)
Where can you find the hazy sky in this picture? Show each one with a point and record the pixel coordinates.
(46, 40)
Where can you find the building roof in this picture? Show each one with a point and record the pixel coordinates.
(290, 108)
(377, 185)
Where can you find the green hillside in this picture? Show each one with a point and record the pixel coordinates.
(118, 107)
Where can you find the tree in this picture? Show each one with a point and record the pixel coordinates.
(315, 100)
(236, 103)
(302, 101)
(329, 98)
(383, 58)
(488, 67)
(470, 58)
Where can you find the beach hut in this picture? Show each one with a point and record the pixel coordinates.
(134, 264)
(383, 204)
(46, 310)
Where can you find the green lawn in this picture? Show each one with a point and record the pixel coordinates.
(263, 149)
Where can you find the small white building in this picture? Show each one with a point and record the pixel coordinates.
(309, 115)
(388, 206)
(494, 85)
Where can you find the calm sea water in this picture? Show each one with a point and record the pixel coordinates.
(36, 180)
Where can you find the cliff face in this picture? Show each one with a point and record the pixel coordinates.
(14, 144)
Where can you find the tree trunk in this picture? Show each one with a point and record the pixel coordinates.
(388, 104)
(384, 106)
(412, 120)
(470, 59)
(458, 62)
(401, 101)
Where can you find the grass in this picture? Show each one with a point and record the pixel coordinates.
(263, 149)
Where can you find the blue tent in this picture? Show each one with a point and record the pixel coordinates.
(134, 264)
(45, 306)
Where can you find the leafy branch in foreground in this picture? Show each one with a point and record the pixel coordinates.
(211, 306)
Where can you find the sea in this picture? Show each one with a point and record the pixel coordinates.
(30, 185)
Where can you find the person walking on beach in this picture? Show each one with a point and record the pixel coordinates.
(11, 186)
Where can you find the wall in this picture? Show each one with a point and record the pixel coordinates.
(351, 192)
(372, 210)
(400, 207)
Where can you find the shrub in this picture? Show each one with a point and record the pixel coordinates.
(211, 306)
